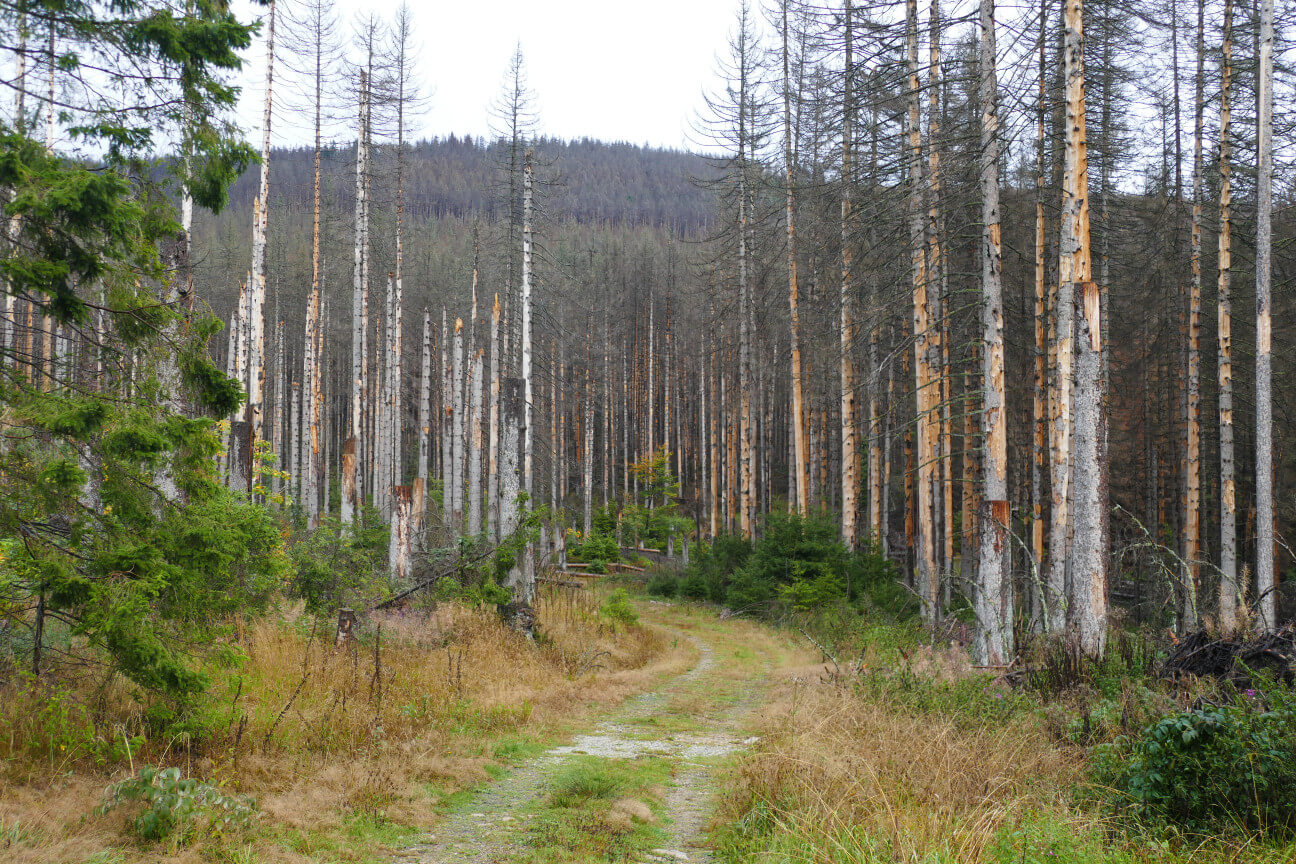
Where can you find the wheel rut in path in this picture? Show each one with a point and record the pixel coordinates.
(491, 828)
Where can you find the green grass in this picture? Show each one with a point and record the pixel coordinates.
(594, 809)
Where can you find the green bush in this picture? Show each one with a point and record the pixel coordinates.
(618, 609)
(1216, 768)
(597, 548)
(663, 585)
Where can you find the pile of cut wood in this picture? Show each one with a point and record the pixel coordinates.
(1234, 659)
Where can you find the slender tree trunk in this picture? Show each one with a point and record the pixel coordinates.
(475, 448)
(492, 456)
(1087, 612)
(256, 317)
(924, 538)
(1230, 596)
(1188, 613)
(1265, 585)
(849, 458)
(528, 560)
(994, 594)
(1039, 405)
(352, 487)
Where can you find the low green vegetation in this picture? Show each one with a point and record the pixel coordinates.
(797, 565)
(599, 809)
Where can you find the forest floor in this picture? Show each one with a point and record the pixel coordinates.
(640, 783)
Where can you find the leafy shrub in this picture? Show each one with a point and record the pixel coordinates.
(1210, 769)
(663, 585)
(618, 609)
(170, 804)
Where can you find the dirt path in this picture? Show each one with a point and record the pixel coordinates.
(694, 721)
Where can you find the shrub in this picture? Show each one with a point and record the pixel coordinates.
(597, 548)
(618, 609)
(171, 804)
(663, 585)
(1214, 768)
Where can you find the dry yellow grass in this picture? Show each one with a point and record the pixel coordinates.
(321, 736)
(832, 764)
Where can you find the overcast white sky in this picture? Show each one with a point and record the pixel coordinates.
(608, 69)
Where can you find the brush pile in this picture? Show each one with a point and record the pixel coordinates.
(1235, 660)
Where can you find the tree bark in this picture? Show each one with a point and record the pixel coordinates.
(994, 594)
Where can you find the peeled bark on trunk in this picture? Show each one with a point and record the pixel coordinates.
(799, 469)
(400, 547)
(1039, 406)
(1265, 585)
(447, 425)
(1087, 595)
(475, 449)
(512, 412)
(1230, 592)
(994, 594)
(923, 530)
(492, 456)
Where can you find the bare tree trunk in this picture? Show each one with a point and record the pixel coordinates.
(425, 399)
(1230, 596)
(1039, 407)
(1087, 596)
(352, 487)
(528, 401)
(512, 411)
(588, 424)
(457, 431)
(849, 458)
(447, 426)
(492, 458)
(924, 530)
(1265, 585)
(1188, 612)
(799, 469)
(994, 594)
(475, 449)
(400, 558)
(256, 314)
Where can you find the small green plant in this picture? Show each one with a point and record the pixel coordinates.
(171, 806)
(662, 585)
(618, 609)
(584, 781)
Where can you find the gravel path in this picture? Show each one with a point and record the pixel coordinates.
(491, 828)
